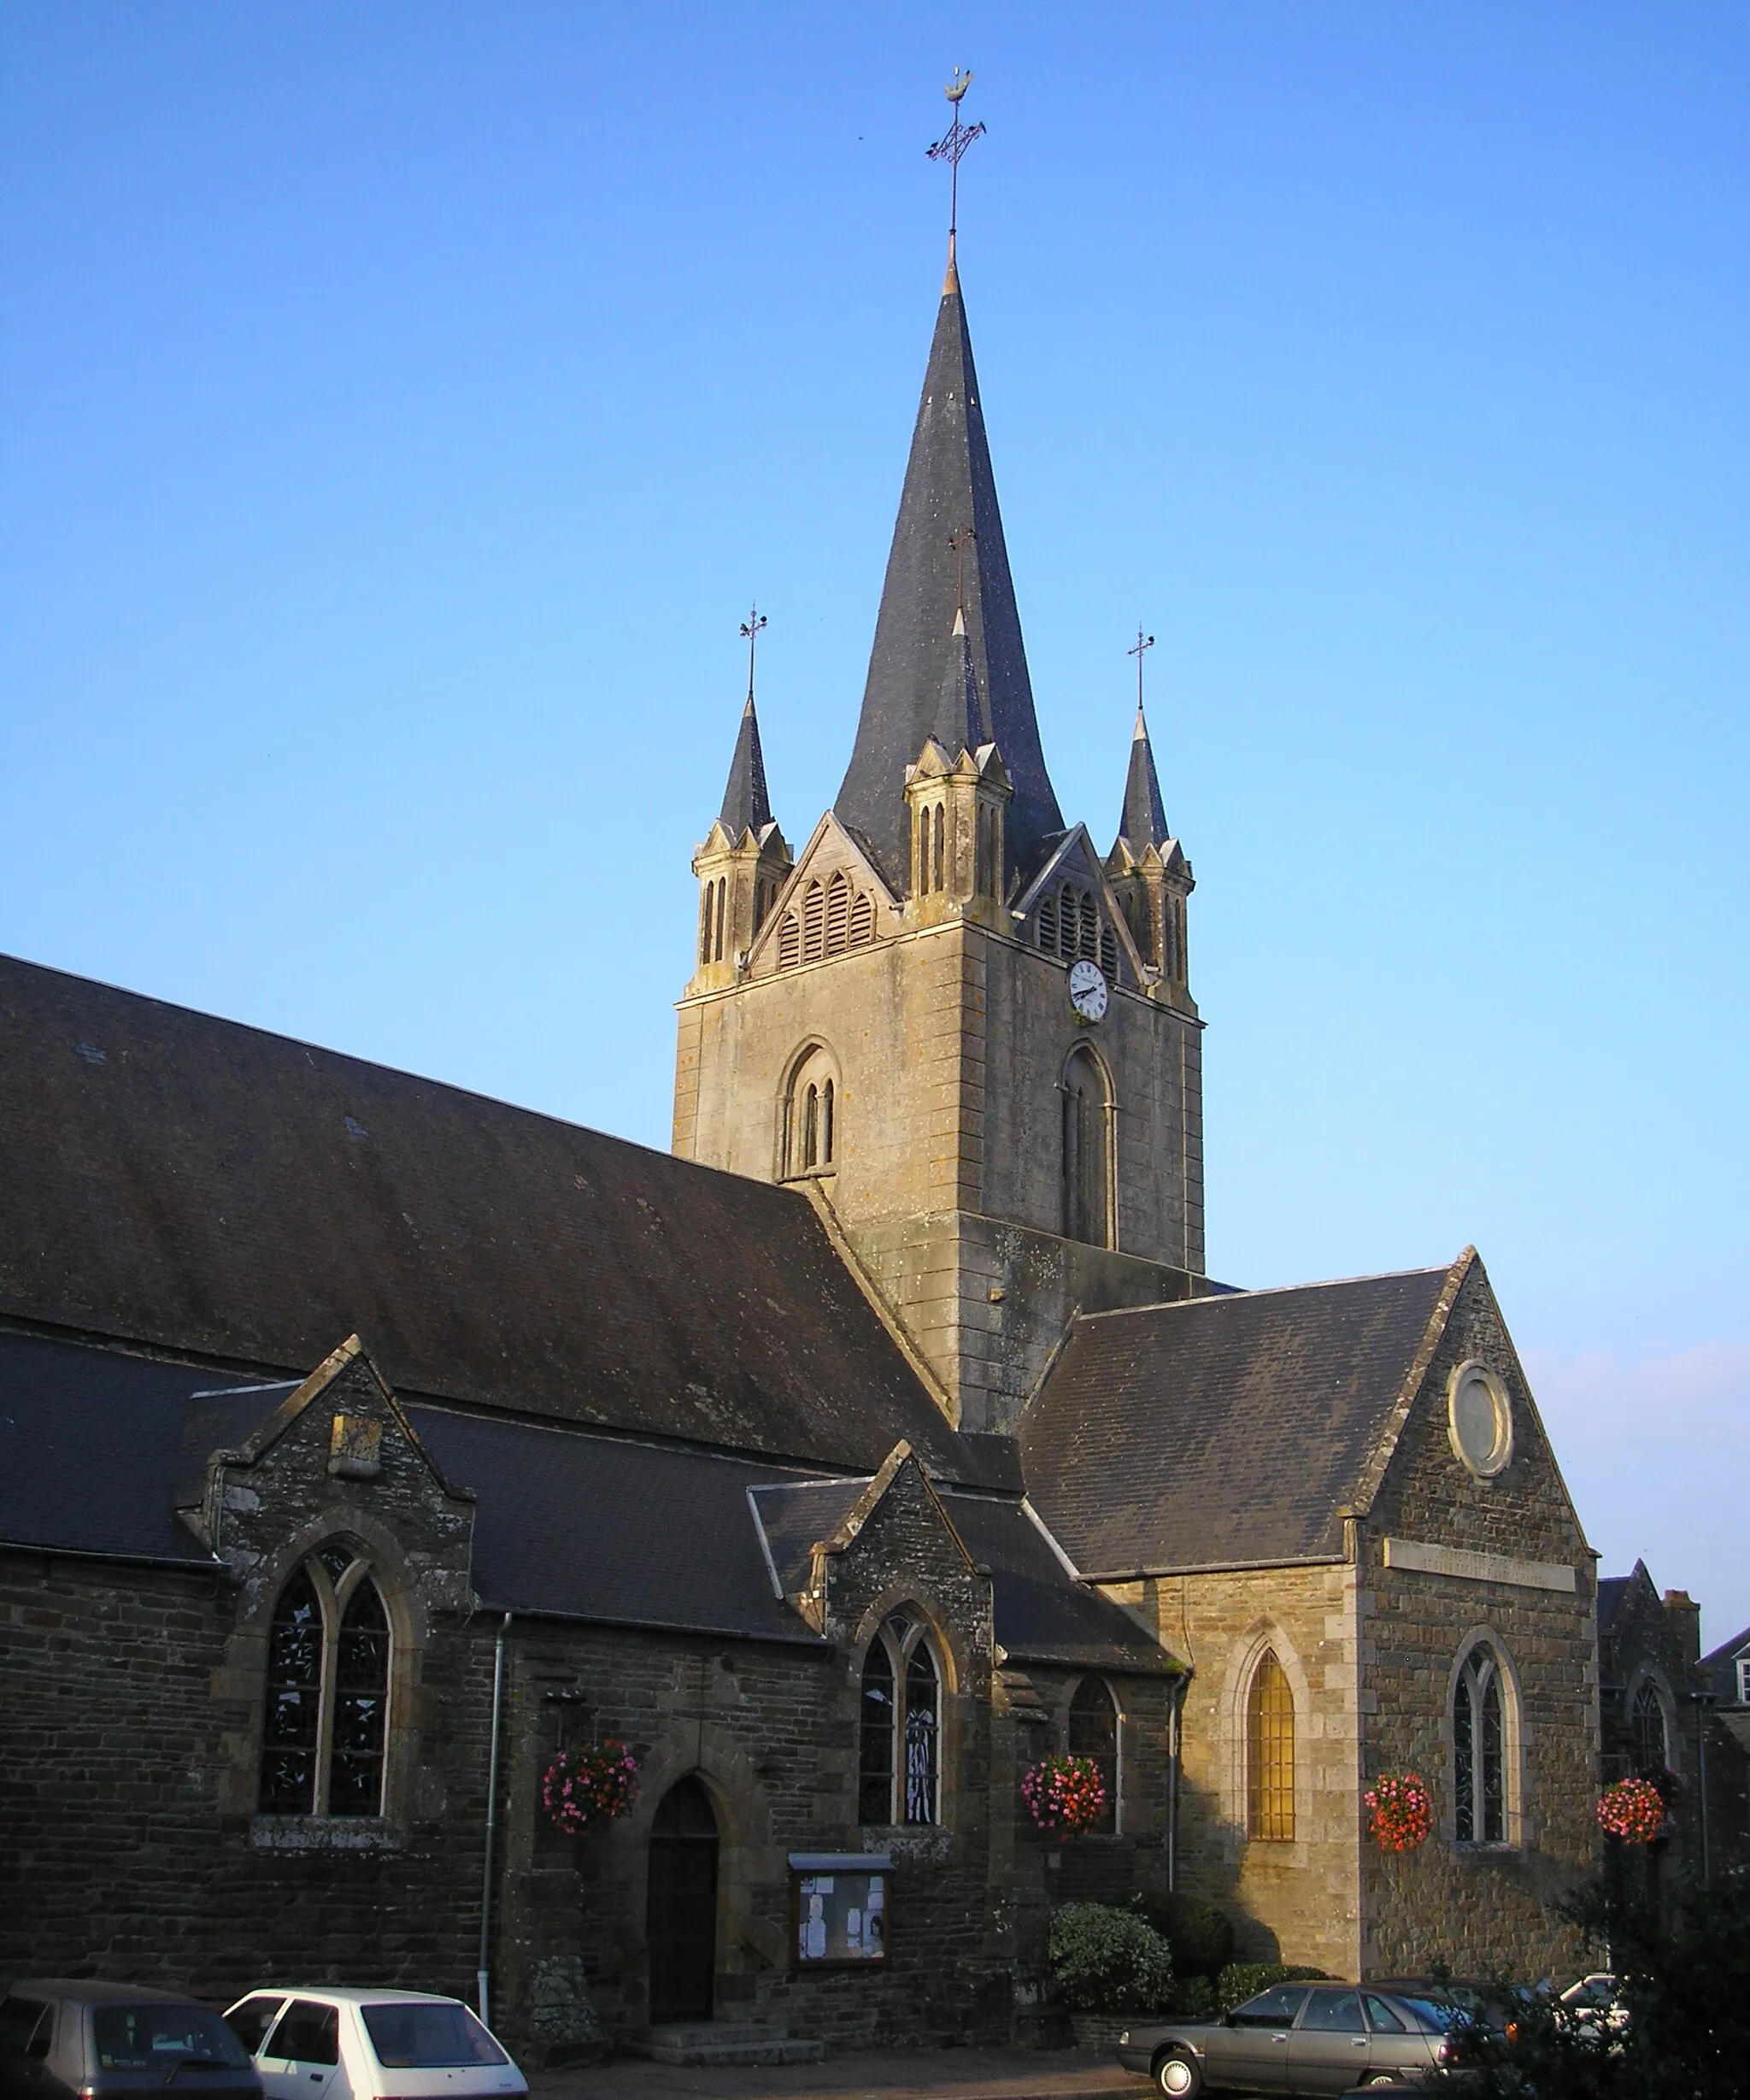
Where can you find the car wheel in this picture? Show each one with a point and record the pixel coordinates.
(1382, 2078)
(1179, 2075)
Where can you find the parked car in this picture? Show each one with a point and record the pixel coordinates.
(1597, 1999)
(332, 2044)
(1463, 2005)
(102, 2041)
(1307, 2039)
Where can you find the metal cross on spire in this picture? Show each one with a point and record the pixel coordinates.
(1144, 643)
(952, 147)
(750, 635)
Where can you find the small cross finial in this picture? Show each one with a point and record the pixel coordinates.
(951, 148)
(1144, 643)
(750, 635)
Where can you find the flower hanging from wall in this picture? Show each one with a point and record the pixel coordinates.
(1399, 1813)
(1065, 1794)
(589, 1785)
(1633, 1810)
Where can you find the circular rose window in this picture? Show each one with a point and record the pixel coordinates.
(1479, 1419)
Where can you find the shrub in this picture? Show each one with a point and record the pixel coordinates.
(1193, 1997)
(1201, 1933)
(1108, 1961)
(1241, 1981)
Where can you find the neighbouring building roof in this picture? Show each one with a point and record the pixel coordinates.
(1222, 1431)
(1612, 1589)
(916, 688)
(184, 1182)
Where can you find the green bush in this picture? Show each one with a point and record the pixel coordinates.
(1108, 1961)
(1241, 1981)
(1193, 1998)
(1201, 1933)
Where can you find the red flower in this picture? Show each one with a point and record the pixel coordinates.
(1065, 1794)
(583, 1786)
(1399, 1812)
(1633, 1810)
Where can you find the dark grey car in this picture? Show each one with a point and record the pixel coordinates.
(1302, 2039)
(60, 2039)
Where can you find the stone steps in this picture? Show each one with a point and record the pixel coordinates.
(723, 2042)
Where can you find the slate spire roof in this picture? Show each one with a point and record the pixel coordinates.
(911, 693)
(745, 804)
(1144, 820)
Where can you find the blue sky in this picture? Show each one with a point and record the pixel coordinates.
(402, 405)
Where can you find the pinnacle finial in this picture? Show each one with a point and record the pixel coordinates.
(951, 147)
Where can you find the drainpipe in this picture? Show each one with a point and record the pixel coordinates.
(483, 1972)
(1175, 1745)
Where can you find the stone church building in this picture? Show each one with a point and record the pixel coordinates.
(364, 1444)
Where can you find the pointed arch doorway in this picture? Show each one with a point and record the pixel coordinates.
(681, 1920)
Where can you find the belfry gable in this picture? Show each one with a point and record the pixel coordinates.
(1052, 911)
(836, 900)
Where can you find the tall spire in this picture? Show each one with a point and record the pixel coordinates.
(1144, 820)
(949, 495)
(745, 807)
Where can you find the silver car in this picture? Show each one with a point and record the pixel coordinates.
(1304, 2039)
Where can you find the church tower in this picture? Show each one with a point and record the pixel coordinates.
(970, 1039)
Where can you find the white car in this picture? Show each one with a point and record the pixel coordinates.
(332, 2044)
(1594, 1998)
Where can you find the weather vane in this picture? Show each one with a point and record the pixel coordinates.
(954, 145)
(750, 635)
(1144, 643)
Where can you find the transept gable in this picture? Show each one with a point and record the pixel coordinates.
(835, 900)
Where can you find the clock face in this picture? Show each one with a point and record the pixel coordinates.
(1088, 991)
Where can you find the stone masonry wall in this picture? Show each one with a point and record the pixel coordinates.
(1291, 1901)
(1483, 1909)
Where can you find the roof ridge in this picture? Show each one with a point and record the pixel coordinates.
(1241, 1296)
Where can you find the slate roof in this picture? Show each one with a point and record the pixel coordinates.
(1221, 1431)
(98, 1447)
(746, 805)
(916, 686)
(1142, 821)
(1611, 1591)
(182, 1181)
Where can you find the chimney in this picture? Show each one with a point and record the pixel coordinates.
(1685, 1616)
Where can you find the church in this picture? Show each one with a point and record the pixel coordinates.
(369, 1449)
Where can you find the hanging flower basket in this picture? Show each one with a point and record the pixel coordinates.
(1065, 1794)
(1399, 1813)
(583, 1787)
(1633, 1810)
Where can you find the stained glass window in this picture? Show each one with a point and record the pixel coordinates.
(326, 1725)
(1652, 1743)
(1479, 1751)
(1270, 1752)
(898, 1766)
(1093, 1733)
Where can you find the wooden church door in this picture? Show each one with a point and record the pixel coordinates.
(681, 1925)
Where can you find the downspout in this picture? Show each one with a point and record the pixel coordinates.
(483, 1971)
(1175, 1744)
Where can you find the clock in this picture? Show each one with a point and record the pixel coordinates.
(1088, 990)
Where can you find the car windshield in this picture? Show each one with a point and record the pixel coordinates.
(1435, 2015)
(159, 2037)
(429, 2036)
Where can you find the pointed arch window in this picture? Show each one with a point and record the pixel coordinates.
(898, 1766)
(1653, 1742)
(325, 1729)
(1093, 1733)
(811, 1116)
(938, 829)
(1479, 1750)
(1086, 1162)
(1270, 1752)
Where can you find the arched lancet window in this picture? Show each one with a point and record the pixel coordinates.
(1653, 1745)
(814, 923)
(1269, 1751)
(939, 825)
(862, 920)
(1479, 1750)
(811, 1116)
(789, 942)
(838, 914)
(722, 914)
(1093, 1733)
(325, 1729)
(899, 1764)
(706, 918)
(1048, 923)
(1086, 1178)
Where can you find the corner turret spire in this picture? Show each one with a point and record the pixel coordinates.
(745, 805)
(948, 558)
(1143, 823)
